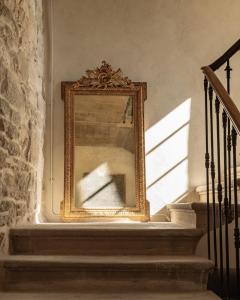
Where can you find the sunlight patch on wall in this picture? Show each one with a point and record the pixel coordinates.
(167, 158)
(169, 188)
(167, 155)
(168, 125)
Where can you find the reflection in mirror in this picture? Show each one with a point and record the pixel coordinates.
(104, 151)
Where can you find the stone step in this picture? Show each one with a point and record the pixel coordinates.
(104, 240)
(116, 273)
(207, 295)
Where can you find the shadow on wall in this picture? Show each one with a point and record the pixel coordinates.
(166, 150)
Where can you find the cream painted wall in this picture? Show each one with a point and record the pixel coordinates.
(162, 42)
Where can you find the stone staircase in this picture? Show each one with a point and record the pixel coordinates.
(104, 239)
(105, 258)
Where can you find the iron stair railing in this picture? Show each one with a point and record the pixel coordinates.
(221, 161)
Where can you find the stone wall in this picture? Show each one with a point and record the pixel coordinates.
(22, 111)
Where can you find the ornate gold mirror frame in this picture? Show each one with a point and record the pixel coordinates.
(104, 81)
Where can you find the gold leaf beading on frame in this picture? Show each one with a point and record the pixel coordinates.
(103, 78)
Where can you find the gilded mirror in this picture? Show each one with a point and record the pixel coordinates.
(104, 172)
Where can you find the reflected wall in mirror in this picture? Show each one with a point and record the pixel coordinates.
(104, 147)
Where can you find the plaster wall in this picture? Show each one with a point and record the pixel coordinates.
(162, 42)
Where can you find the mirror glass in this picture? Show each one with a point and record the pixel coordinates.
(104, 151)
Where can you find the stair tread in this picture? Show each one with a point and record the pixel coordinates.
(104, 225)
(111, 296)
(104, 239)
(17, 260)
(85, 273)
(105, 230)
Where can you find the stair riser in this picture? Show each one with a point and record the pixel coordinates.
(106, 280)
(102, 245)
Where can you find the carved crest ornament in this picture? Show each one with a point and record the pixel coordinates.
(103, 77)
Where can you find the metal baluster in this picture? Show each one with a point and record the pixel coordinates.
(236, 228)
(212, 164)
(219, 188)
(207, 165)
(228, 70)
(229, 212)
(229, 146)
(226, 214)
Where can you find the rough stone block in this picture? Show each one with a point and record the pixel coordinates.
(3, 158)
(22, 108)
(4, 108)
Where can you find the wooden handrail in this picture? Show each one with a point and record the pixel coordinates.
(229, 105)
(226, 56)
